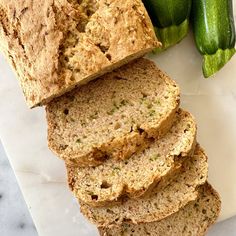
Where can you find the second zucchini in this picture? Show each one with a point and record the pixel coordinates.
(214, 33)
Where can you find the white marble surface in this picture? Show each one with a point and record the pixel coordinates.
(15, 219)
(41, 175)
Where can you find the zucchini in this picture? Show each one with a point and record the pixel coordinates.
(214, 33)
(170, 19)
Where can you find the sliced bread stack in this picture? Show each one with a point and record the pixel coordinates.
(131, 154)
(193, 219)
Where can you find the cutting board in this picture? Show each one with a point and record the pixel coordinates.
(42, 176)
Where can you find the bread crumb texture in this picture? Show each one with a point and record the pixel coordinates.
(192, 220)
(133, 177)
(56, 45)
(114, 116)
(173, 192)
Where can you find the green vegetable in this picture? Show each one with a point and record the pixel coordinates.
(78, 140)
(154, 157)
(152, 113)
(214, 33)
(116, 168)
(170, 19)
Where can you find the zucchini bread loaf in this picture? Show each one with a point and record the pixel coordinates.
(172, 193)
(192, 220)
(56, 45)
(114, 116)
(134, 176)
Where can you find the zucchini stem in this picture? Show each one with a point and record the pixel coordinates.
(213, 63)
(171, 35)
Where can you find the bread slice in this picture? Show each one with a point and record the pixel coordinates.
(192, 220)
(113, 116)
(173, 192)
(99, 185)
(57, 45)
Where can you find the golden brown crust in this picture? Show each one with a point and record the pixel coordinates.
(57, 45)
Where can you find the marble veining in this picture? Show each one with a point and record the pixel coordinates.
(15, 219)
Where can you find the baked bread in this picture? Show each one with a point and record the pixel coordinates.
(56, 45)
(99, 185)
(173, 192)
(114, 116)
(192, 220)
